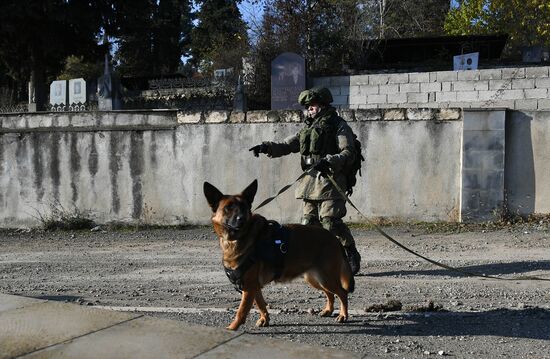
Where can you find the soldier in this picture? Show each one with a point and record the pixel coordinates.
(326, 145)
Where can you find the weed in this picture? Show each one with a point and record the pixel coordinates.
(62, 219)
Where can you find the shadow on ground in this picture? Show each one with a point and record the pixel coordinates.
(58, 298)
(487, 269)
(529, 323)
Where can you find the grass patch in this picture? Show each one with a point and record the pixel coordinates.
(60, 219)
(537, 221)
(133, 227)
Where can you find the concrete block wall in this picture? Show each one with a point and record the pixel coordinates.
(522, 88)
(421, 164)
(483, 151)
(149, 166)
(527, 184)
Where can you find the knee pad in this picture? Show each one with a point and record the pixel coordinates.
(310, 220)
(331, 224)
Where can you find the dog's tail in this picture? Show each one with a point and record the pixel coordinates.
(346, 277)
(349, 283)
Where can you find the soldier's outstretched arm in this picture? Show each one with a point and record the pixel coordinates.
(289, 145)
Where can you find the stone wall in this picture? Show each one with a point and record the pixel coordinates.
(523, 88)
(483, 152)
(527, 175)
(149, 166)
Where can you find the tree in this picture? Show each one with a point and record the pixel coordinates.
(37, 36)
(415, 18)
(525, 21)
(319, 30)
(134, 36)
(76, 66)
(220, 39)
(152, 36)
(172, 34)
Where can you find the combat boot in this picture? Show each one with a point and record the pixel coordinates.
(354, 259)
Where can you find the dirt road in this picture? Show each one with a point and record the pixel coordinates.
(178, 274)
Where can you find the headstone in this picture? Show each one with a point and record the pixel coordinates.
(107, 90)
(239, 103)
(58, 93)
(466, 61)
(77, 92)
(288, 79)
(32, 100)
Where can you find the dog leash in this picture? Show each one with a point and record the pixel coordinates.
(281, 191)
(434, 262)
(391, 239)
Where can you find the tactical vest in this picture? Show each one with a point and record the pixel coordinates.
(319, 138)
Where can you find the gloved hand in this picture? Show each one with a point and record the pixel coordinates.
(323, 166)
(261, 148)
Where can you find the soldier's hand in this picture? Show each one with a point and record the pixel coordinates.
(261, 148)
(323, 166)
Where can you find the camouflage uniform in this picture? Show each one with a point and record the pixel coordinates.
(322, 203)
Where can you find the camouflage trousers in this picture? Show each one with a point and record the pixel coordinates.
(328, 214)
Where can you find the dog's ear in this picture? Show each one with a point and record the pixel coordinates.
(250, 191)
(213, 196)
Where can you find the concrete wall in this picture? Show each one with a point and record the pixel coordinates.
(149, 167)
(483, 168)
(523, 88)
(527, 180)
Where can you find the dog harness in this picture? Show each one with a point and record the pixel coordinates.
(271, 250)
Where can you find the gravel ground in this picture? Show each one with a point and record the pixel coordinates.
(177, 274)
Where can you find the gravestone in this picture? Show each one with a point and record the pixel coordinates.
(239, 102)
(32, 99)
(58, 94)
(77, 93)
(108, 97)
(288, 79)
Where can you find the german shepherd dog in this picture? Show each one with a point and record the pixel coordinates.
(310, 251)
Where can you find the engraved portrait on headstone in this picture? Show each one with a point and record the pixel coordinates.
(77, 91)
(288, 79)
(58, 93)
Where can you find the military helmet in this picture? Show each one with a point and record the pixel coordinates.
(319, 95)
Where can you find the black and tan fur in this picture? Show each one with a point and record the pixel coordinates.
(312, 251)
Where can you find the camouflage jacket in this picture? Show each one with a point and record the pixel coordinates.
(313, 186)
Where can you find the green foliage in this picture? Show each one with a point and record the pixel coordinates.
(152, 36)
(37, 36)
(220, 39)
(76, 67)
(414, 18)
(526, 21)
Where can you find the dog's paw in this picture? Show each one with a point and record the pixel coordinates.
(341, 318)
(232, 326)
(262, 322)
(325, 313)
